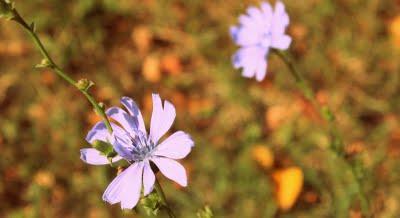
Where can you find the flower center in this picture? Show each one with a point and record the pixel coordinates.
(142, 147)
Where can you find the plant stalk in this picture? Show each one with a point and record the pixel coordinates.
(49, 63)
(52, 65)
(336, 145)
(164, 201)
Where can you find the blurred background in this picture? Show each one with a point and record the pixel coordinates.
(261, 149)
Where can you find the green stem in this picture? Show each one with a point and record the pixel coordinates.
(164, 201)
(52, 65)
(363, 197)
(100, 111)
(307, 91)
(336, 145)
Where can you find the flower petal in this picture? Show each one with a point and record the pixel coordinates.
(94, 157)
(122, 146)
(281, 42)
(148, 179)
(245, 20)
(133, 110)
(280, 12)
(176, 146)
(253, 26)
(252, 59)
(127, 122)
(266, 9)
(126, 187)
(256, 15)
(171, 169)
(234, 30)
(261, 70)
(248, 35)
(98, 132)
(161, 118)
(280, 19)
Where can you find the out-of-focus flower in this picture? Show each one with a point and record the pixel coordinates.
(258, 31)
(142, 38)
(45, 179)
(13, 48)
(276, 115)
(394, 29)
(132, 143)
(171, 64)
(289, 183)
(37, 111)
(47, 78)
(263, 156)
(151, 69)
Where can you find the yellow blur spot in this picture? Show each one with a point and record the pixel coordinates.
(171, 64)
(142, 38)
(263, 156)
(151, 69)
(289, 183)
(394, 29)
(44, 179)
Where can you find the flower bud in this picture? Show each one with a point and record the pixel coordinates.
(84, 84)
(102, 106)
(6, 10)
(44, 63)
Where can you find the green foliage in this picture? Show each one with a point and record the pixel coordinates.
(105, 148)
(151, 204)
(205, 213)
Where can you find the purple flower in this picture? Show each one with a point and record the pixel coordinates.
(132, 143)
(258, 31)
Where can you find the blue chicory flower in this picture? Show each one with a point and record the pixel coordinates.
(132, 143)
(258, 31)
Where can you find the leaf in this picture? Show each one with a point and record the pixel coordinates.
(105, 148)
